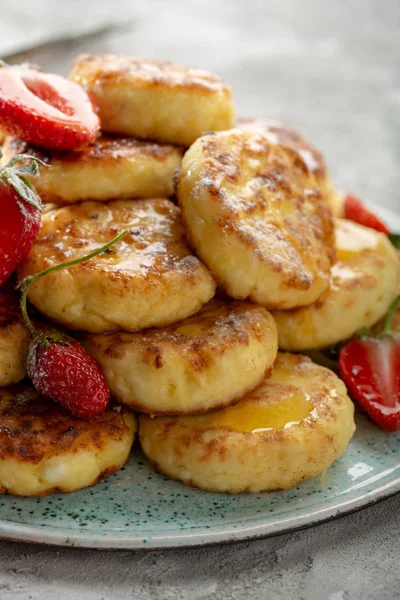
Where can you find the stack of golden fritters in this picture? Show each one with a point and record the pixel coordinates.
(177, 313)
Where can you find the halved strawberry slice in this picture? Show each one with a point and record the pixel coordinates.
(370, 368)
(45, 109)
(355, 210)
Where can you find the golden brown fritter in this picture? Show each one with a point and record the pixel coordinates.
(150, 278)
(256, 217)
(210, 359)
(292, 427)
(45, 449)
(155, 99)
(105, 169)
(364, 282)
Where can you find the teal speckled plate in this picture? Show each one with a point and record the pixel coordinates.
(137, 508)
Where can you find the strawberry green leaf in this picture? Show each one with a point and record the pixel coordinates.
(395, 239)
(30, 164)
(15, 174)
(32, 169)
(23, 187)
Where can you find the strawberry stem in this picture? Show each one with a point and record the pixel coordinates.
(25, 283)
(25, 316)
(34, 164)
(387, 325)
(362, 333)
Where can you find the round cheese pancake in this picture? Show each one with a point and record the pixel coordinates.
(150, 278)
(45, 449)
(206, 361)
(293, 426)
(255, 216)
(14, 339)
(155, 99)
(364, 282)
(107, 168)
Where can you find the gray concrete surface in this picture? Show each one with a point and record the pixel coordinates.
(356, 557)
(331, 69)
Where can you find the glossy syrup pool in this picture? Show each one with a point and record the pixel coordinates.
(260, 416)
(137, 508)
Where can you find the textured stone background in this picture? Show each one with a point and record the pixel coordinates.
(356, 557)
(331, 69)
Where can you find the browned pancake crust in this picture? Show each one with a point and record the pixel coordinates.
(206, 361)
(243, 175)
(108, 149)
(132, 285)
(109, 69)
(33, 427)
(155, 99)
(108, 168)
(286, 175)
(280, 133)
(89, 225)
(238, 325)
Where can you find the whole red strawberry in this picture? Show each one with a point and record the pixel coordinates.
(20, 212)
(60, 368)
(370, 368)
(45, 109)
(58, 365)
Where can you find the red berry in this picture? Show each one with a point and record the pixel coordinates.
(45, 109)
(19, 224)
(370, 368)
(61, 369)
(355, 210)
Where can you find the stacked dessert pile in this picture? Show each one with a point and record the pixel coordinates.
(232, 264)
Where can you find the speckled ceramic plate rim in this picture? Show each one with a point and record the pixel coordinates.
(54, 535)
(50, 536)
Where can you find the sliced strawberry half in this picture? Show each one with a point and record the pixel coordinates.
(355, 210)
(370, 368)
(45, 109)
